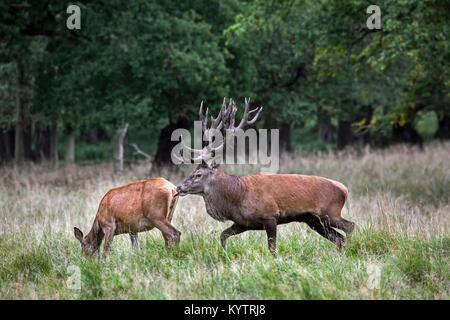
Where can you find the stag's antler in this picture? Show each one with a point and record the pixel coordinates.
(225, 123)
(244, 121)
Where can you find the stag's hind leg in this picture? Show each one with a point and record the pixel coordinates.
(332, 215)
(341, 223)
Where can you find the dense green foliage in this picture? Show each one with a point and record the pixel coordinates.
(323, 77)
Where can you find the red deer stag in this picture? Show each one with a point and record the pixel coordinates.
(263, 201)
(133, 208)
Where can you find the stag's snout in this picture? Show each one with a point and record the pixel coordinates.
(179, 191)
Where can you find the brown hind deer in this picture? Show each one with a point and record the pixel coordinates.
(263, 201)
(133, 208)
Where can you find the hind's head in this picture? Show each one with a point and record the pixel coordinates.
(87, 246)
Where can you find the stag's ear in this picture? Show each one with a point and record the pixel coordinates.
(204, 164)
(78, 234)
(214, 165)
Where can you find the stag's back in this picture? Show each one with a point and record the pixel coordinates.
(294, 193)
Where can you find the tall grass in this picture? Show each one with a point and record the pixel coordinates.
(399, 199)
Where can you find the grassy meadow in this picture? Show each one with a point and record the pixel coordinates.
(400, 249)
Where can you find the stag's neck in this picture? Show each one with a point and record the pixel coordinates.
(223, 197)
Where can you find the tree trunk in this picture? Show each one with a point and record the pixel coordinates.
(9, 140)
(19, 151)
(41, 142)
(165, 144)
(325, 131)
(27, 137)
(117, 142)
(54, 144)
(70, 145)
(285, 138)
(444, 128)
(346, 136)
(5, 147)
(405, 133)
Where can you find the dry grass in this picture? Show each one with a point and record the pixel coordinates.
(399, 199)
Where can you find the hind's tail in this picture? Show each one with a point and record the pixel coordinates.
(173, 205)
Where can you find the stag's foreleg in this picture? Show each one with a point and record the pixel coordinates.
(271, 229)
(231, 231)
(269, 225)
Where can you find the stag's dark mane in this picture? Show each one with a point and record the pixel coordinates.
(224, 195)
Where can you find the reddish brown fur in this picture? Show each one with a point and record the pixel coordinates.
(133, 208)
(262, 201)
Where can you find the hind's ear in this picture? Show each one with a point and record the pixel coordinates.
(78, 234)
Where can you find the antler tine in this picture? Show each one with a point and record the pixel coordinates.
(215, 122)
(200, 112)
(245, 115)
(189, 148)
(176, 156)
(227, 115)
(205, 123)
(256, 115)
(232, 116)
(230, 108)
(201, 157)
(205, 156)
(203, 119)
(223, 116)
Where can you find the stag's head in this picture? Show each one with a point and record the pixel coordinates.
(198, 180)
(203, 174)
